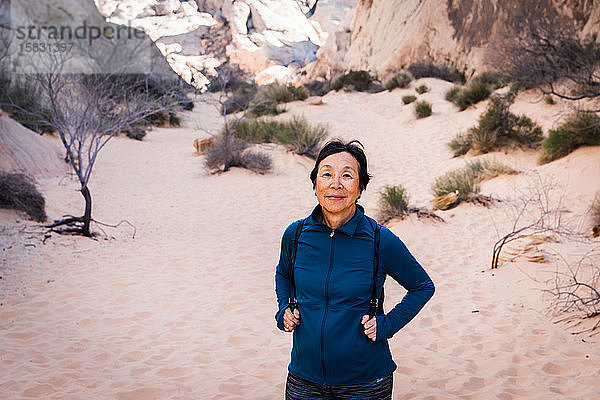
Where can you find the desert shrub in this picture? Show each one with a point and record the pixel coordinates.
(393, 202)
(360, 81)
(479, 88)
(256, 161)
(397, 80)
(498, 127)
(460, 144)
(226, 152)
(265, 108)
(22, 101)
(548, 99)
(174, 119)
(485, 169)
(441, 71)
(318, 88)
(137, 132)
(422, 89)
(579, 129)
(296, 134)
(461, 181)
(408, 99)
(230, 151)
(18, 192)
(240, 99)
(463, 184)
(279, 93)
(422, 109)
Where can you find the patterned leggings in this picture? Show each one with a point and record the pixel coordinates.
(300, 389)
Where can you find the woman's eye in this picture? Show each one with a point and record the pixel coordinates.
(327, 174)
(348, 176)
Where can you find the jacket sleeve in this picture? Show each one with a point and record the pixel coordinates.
(400, 264)
(282, 272)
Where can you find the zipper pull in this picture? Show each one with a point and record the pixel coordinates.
(331, 234)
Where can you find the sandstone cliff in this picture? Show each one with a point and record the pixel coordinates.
(389, 34)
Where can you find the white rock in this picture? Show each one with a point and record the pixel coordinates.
(238, 17)
(166, 7)
(276, 73)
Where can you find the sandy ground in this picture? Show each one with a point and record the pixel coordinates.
(184, 310)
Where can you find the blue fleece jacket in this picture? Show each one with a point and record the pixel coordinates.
(333, 274)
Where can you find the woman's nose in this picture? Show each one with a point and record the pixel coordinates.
(336, 182)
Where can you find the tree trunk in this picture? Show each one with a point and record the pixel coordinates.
(87, 216)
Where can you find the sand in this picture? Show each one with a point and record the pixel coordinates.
(184, 309)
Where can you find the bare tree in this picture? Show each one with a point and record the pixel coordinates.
(553, 59)
(87, 110)
(578, 288)
(537, 213)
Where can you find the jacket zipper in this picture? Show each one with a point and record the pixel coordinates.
(332, 236)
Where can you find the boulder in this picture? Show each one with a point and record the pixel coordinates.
(274, 74)
(24, 151)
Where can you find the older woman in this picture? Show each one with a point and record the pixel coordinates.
(329, 282)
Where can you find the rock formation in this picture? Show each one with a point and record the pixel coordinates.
(197, 36)
(387, 35)
(24, 151)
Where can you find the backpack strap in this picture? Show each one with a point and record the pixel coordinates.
(292, 300)
(376, 303)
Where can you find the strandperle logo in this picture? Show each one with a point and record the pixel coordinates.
(70, 36)
(81, 32)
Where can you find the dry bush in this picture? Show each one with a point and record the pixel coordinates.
(398, 80)
(440, 71)
(463, 184)
(18, 192)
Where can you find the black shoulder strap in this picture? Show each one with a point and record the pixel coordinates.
(376, 303)
(292, 300)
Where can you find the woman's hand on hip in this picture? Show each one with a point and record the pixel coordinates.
(370, 326)
(291, 319)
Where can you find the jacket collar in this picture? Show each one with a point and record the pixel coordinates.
(349, 228)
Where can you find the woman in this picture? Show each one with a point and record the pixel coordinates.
(330, 274)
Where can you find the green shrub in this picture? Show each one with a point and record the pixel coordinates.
(579, 129)
(18, 192)
(408, 99)
(422, 89)
(452, 94)
(441, 71)
(397, 80)
(360, 81)
(393, 202)
(464, 182)
(478, 89)
(548, 99)
(174, 119)
(296, 134)
(234, 152)
(261, 108)
(278, 93)
(319, 88)
(460, 144)
(497, 127)
(422, 109)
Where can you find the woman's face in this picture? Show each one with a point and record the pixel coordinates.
(336, 185)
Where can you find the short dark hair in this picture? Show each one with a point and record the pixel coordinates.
(352, 147)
